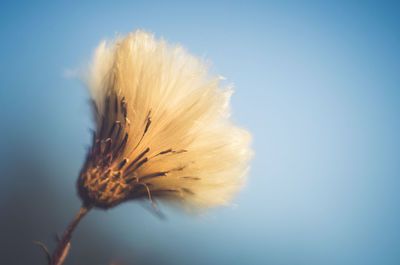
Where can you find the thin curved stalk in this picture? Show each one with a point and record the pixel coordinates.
(63, 246)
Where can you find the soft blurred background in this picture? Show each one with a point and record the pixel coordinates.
(317, 83)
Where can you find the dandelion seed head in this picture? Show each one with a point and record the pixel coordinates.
(162, 128)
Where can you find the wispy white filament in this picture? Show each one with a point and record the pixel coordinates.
(208, 157)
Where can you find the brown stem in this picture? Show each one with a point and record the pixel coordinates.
(62, 249)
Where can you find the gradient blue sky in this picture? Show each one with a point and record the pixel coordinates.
(317, 84)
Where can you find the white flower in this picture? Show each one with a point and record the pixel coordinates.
(163, 128)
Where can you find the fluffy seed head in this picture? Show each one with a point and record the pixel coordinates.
(162, 128)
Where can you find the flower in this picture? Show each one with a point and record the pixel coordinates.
(162, 128)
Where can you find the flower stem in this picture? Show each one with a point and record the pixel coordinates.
(63, 246)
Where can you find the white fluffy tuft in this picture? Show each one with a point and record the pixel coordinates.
(189, 113)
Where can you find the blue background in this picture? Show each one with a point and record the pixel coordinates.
(317, 84)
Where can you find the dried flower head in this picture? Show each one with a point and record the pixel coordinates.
(162, 128)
